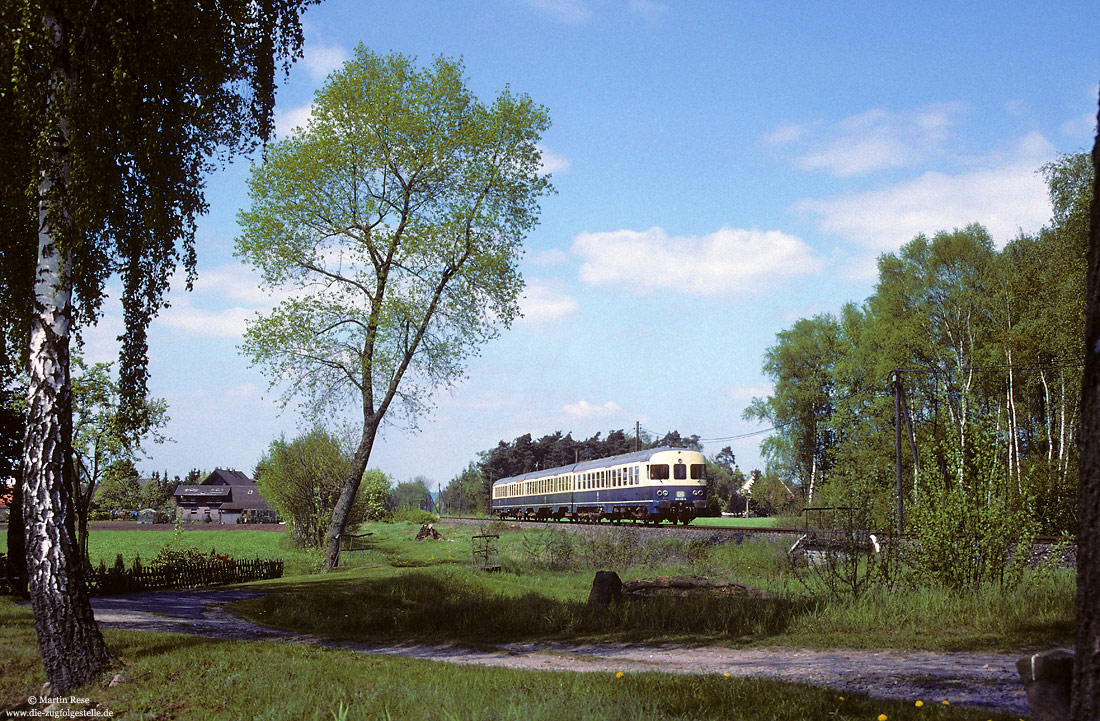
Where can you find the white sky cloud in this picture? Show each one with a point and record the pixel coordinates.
(1083, 126)
(584, 409)
(878, 139)
(568, 11)
(553, 162)
(223, 297)
(545, 303)
(785, 133)
(320, 59)
(747, 393)
(1004, 193)
(726, 261)
(287, 120)
(224, 323)
(553, 256)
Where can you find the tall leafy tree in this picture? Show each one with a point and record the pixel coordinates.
(121, 487)
(800, 365)
(466, 493)
(112, 113)
(398, 215)
(103, 434)
(412, 494)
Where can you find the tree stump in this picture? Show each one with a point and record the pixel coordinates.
(1047, 678)
(427, 532)
(606, 587)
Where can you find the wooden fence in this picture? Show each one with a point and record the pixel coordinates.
(191, 574)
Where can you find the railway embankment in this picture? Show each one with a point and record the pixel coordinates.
(1044, 551)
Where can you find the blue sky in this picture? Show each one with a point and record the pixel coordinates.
(722, 169)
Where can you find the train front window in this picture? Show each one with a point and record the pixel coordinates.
(658, 471)
(698, 471)
(681, 472)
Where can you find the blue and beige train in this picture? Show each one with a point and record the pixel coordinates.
(659, 484)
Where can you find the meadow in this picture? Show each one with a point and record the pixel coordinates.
(429, 591)
(169, 676)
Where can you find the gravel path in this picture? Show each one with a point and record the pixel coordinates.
(972, 679)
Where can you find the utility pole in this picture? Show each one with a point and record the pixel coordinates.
(897, 447)
(637, 435)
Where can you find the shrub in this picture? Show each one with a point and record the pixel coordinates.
(965, 530)
(303, 478)
(414, 515)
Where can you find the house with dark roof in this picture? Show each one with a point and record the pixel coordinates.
(224, 496)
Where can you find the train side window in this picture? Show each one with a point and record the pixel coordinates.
(680, 471)
(658, 471)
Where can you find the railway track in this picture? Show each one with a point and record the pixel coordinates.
(703, 527)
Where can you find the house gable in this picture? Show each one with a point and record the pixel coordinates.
(221, 492)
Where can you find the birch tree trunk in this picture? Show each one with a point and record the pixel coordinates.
(1086, 672)
(73, 650)
(1049, 418)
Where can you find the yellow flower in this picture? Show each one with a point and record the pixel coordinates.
(727, 674)
(918, 704)
(882, 717)
(946, 703)
(841, 698)
(619, 674)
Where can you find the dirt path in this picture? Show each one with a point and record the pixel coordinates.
(972, 679)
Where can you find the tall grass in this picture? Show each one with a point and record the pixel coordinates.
(446, 607)
(1037, 613)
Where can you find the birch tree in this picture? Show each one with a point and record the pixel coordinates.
(396, 220)
(112, 112)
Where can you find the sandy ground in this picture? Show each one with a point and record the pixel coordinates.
(971, 679)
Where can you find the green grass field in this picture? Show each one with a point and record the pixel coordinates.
(409, 590)
(427, 591)
(168, 676)
(105, 544)
(736, 522)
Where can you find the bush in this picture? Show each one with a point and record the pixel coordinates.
(965, 530)
(414, 515)
(302, 479)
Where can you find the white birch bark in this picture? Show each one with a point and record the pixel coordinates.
(73, 651)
